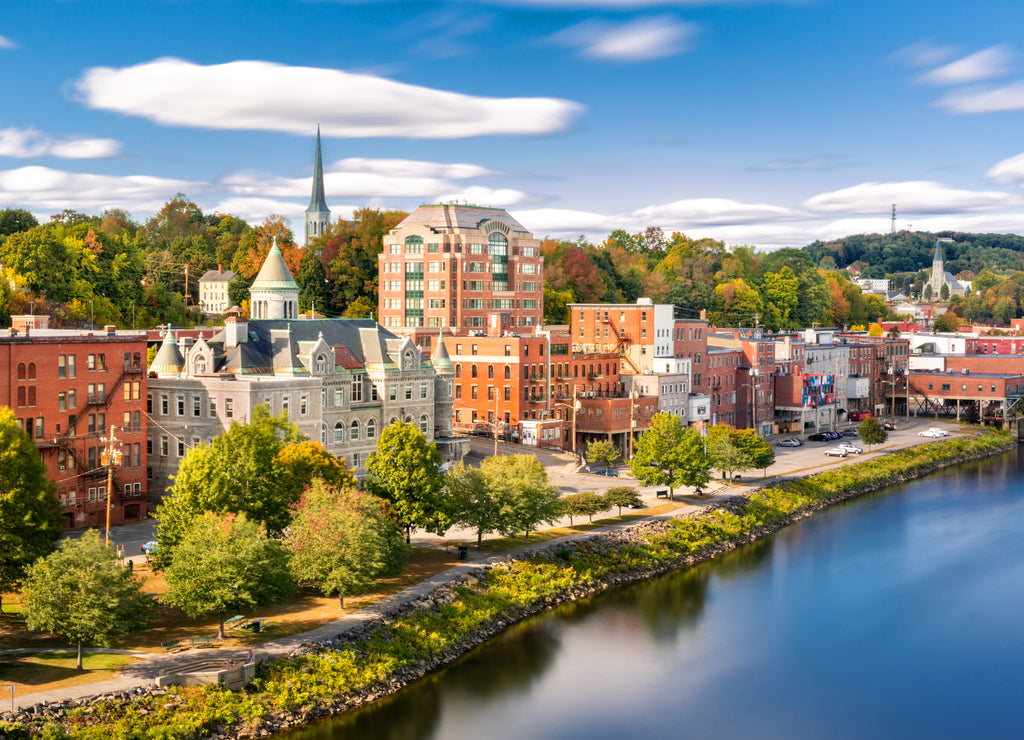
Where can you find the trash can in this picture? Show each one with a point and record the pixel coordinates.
(463, 552)
(257, 626)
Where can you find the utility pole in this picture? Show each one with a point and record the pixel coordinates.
(495, 422)
(575, 405)
(632, 410)
(111, 457)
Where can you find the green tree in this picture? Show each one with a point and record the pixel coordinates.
(521, 484)
(668, 454)
(871, 432)
(350, 249)
(724, 453)
(342, 540)
(782, 289)
(301, 463)
(946, 322)
(758, 451)
(406, 471)
(312, 281)
(585, 503)
(13, 220)
(29, 509)
(236, 473)
(620, 496)
(602, 452)
(80, 592)
(226, 562)
(473, 504)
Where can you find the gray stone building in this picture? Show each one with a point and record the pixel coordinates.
(341, 381)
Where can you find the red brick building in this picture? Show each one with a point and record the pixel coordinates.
(67, 390)
(462, 268)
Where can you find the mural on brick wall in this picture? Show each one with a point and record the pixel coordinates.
(819, 390)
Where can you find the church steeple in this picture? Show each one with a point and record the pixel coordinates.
(318, 215)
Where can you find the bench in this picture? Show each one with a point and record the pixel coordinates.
(172, 645)
(662, 494)
(193, 641)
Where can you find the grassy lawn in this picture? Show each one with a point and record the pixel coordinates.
(308, 611)
(31, 672)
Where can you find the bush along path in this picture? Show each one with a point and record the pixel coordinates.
(381, 657)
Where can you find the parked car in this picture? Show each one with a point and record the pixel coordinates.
(936, 433)
(851, 433)
(834, 435)
(889, 426)
(819, 437)
(791, 442)
(851, 448)
(837, 452)
(943, 432)
(610, 472)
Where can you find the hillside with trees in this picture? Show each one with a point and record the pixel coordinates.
(103, 269)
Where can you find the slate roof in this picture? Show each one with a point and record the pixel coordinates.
(451, 215)
(216, 276)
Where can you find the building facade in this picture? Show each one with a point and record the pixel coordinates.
(213, 290)
(69, 389)
(466, 269)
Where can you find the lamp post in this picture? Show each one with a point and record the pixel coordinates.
(111, 457)
(892, 394)
(754, 373)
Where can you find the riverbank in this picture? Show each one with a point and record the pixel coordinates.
(414, 640)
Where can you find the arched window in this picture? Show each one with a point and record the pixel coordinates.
(201, 366)
(497, 243)
(423, 423)
(508, 373)
(321, 364)
(393, 420)
(414, 245)
(490, 372)
(458, 369)
(323, 434)
(21, 371)
(354, 431)
(371, 429)
(339, 432)
(473, 371)
(21, 396)
(31, 371)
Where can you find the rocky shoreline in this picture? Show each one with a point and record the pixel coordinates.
(281, 721)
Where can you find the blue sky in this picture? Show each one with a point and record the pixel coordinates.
(763, 123)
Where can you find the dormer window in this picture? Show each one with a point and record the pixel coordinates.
(321, 364)
(408, 360)
(200, 366)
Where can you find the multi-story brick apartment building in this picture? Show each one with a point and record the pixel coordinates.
(462, 268)
(68, 388)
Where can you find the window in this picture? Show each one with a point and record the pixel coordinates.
(339, 432)
(71, 366)
(423, 423)
(423, 390)
(91, 363)
(181, 448)
(136, 421)
(286, 403)
(181, 405)
(197, 406)
(303, 405)
(354, 431)
(62, 401)
(213, 408)
(357, 390)
(371, 429)
(62, 369)
(229, 408)
(408, 392)
(339, 397)
(71, 399)
(163, 446)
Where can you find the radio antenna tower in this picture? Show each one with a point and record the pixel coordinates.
(893, 218)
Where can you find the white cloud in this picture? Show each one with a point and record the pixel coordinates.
(811, 164)
(6, 43)
(255, 95)
(498, 197)
(43, 188)
(924, 54)
(410, 168)
(711, 211)
(923, 197)
(651, 38)
(28, 142)
(1008, 170)
(983, 65)
(989, 100)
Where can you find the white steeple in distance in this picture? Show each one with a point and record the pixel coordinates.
(318, 215)
(274, 294)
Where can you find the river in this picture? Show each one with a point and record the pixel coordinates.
(899, 615)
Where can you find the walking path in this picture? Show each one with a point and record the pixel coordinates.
(143, 673)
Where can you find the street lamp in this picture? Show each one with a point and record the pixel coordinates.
(754, 373)
(892, 395)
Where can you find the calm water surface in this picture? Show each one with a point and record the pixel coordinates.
(896, 616)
